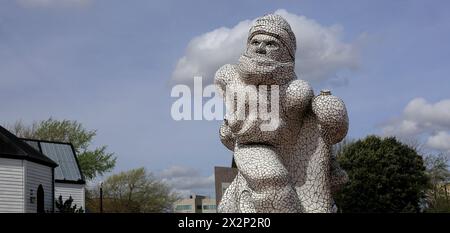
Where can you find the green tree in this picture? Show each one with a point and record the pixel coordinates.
(134, 191)
(92, 162)
(66, 206)
(384, 176)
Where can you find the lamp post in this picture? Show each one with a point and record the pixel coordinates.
(101, 197)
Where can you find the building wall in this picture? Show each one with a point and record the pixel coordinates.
(185, 206)
(35, 175)
(11, 186)
(76, 191)
(223, 177)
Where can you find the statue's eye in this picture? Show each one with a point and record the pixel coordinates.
(271, 44)
(255, 42)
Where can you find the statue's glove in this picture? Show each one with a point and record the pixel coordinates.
(226, 136)
(332, 117)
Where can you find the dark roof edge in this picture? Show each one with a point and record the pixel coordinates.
(71, 181)
(29, 150)
(28, 158)
(78, 163)
(47, 141)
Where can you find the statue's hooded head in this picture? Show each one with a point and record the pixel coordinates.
(270, 54)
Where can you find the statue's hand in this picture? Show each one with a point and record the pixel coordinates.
(332, 117)
(226, 135)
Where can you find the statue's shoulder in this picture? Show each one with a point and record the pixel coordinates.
(226, 74)
(298, 94)
(298, 85)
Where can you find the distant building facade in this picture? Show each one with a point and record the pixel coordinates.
(195, 204)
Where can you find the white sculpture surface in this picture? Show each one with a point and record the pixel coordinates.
(288, 167)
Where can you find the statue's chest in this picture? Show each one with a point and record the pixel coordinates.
(261, 98)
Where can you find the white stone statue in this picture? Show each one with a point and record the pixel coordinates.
(290, 167)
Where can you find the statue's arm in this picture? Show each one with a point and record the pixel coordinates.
(332, 117)
(226, 75)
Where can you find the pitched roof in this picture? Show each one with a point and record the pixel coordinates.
(64, 155)
(14, 148)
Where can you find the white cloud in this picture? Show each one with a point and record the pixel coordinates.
(320, 51)
(53, 3)
(401, 127)
(178, 171)
(420, 117)
(440, 141)
(437, 114)
(187, 181)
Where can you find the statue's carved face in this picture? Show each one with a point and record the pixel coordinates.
(266, 61)
(269, 47)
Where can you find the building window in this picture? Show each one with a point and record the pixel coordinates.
(183, 207)
(209, 207)
(199, 207)
(32, 197)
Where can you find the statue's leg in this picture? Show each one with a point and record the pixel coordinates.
(268, 180)
(315, 193)
(311, 168)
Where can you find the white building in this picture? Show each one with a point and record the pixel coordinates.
(69, 181)
(33, 172)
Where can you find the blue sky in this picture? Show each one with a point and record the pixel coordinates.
(110, 65)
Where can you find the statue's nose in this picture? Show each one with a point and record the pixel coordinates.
(261, 48)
